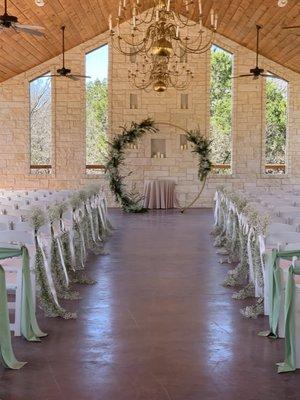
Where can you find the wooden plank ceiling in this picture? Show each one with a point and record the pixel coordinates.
(85, 19)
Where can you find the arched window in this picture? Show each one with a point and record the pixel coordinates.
(96, 108)
(40, 115)
(221, 109)
(276, 125)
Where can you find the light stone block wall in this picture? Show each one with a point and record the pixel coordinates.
(181, 165)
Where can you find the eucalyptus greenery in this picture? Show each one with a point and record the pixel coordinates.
(201, 147)
(131, 201)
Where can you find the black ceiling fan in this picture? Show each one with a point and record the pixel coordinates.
(63, 71)
(10, 21)
(257, 72)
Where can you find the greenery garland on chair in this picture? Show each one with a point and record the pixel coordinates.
(131, 202)
(37, 218)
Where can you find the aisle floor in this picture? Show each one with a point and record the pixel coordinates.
(158, 325)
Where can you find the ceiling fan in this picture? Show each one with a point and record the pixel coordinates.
(63, 71)
(257, 72)
(10, 21)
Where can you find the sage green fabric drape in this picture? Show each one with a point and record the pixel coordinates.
(29, 326)
(288, 364)
(8, 358)
(273, 271)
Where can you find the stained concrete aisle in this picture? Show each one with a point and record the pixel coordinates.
(158, 325)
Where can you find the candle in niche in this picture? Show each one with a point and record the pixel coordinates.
(158, 154)
(162, 155)
(181, 147)
(155, 155)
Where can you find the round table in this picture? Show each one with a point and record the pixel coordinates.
(160, 194)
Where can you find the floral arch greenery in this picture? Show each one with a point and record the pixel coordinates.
(130, 201)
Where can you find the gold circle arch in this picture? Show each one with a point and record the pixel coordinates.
(189, 205)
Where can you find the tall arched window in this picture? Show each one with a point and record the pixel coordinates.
(96, 108)
(40, 115)
(221, 109)
(276, 125)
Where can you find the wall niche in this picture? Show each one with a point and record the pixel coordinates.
(158, 148)
(183, 142)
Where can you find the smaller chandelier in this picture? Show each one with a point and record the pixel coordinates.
(161, 30)
(160, 74)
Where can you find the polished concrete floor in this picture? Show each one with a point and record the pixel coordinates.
(158, 325)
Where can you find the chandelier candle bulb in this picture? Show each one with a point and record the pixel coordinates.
(156, 16)
(124, 4)
(110, 22)
(212, 17)
(200, 8)
(216, 22)
(120, 10)
(177, 31)
(168, 5)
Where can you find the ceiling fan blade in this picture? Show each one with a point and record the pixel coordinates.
(78, 76)
(73, 77)
(29, 31)
(31, 27)
(241, 76)
(271, 76)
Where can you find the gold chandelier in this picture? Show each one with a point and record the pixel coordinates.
(162, 31)
(159, 73)
(161, 36)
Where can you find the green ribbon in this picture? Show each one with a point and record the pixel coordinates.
(288, 364)
(273, 271)
(29, 326)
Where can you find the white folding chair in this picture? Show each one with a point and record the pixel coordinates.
(13, 268)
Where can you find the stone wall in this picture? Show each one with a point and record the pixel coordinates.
(180, 165)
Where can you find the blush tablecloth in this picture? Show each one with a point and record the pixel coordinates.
(160, 194)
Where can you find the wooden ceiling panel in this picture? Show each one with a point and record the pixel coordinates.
(85, 19)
